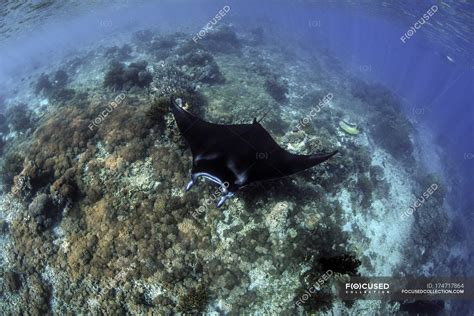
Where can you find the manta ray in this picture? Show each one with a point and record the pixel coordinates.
(236, 155)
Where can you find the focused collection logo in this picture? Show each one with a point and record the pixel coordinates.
(367, 288)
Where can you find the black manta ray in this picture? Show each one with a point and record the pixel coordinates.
(235, 155)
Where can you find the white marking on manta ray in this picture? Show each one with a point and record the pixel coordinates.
(226, 194)
(206, 157)
(211, 178)
(241, 177)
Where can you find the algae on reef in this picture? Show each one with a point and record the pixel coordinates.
(102, 224)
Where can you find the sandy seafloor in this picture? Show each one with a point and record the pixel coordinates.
(98, 221)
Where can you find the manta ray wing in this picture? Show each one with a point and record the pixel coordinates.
(199, 133)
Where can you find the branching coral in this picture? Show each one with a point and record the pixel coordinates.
(202, 66)
(158, 109)
(55, 88)
(120, 77)
(222, 39)
(19, 117)
(194, 301)
(43, 84)
(322, 299)
(365, 187)
(44, 211)
(60, 79)
(11, 166)
(161, 47)
(344, 264)
(276, 88)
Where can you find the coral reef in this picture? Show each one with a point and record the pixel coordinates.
(119, 77)
(222, 39)
(100, 223)
(157, 111)
(346, 264)
(194, 301)
(54, 86)
(365, 187)
(60, 79)
(12, 281)
(323, 299)
(167, 42)
(46, 85)
(142, 37)
(43, 84)
(19, 117)
(201, 66)
(276, 88)
(256, 36)
(2, 144)
(44, 211)
(119, 53)
(11, 166)
(3, 124)
(389, 127)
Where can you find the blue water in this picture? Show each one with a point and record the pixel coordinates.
(432, 72)
(435, 78)
(439, 92)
